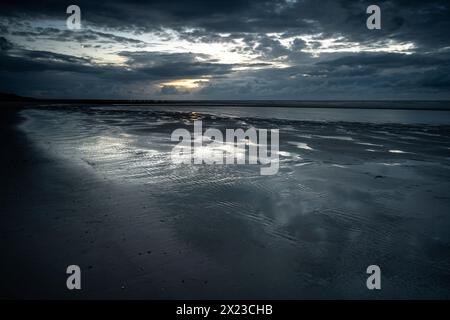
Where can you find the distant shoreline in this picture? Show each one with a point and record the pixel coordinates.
(429, 105)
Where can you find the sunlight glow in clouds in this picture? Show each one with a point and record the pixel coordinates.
(246, 50)
(224, 50)
(185, 83)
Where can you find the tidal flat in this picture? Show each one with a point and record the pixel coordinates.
(94, 185)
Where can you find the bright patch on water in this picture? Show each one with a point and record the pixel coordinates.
(284, 153)
(397, 151)
(301, 145)
(343, 138)
(369, 144)
(338, 166)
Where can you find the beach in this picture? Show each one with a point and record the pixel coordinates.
(94, 186)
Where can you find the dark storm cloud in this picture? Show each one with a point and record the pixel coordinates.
(139, 66)
(84, 35)
(388, 60)
(388, 70)
(248, 24)
(5, 44)
(359, 76)
(172, 90)
(412, 20)
(33, 61)
(160, 65)
(42, 66)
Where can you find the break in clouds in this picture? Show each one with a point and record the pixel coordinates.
(230, 49)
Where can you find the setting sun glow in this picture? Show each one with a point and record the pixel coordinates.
(185, 83)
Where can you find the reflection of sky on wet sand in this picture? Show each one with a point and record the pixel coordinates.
(333, 207)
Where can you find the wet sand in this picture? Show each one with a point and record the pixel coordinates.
(93, 187)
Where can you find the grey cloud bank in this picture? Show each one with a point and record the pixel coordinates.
(226, 50)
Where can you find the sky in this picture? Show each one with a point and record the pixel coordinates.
(233, 49)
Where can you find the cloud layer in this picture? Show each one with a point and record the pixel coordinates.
(226, 50)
